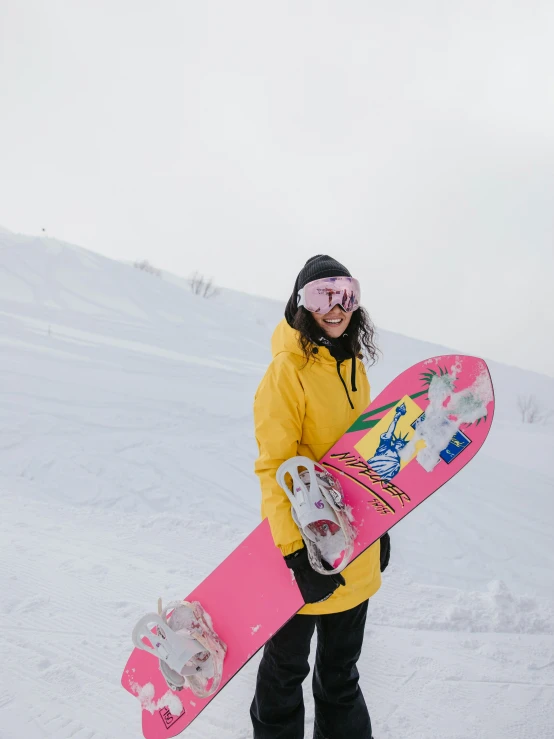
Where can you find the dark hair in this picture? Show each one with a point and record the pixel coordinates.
(359, 336)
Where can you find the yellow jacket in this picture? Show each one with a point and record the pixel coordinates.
(302, 409)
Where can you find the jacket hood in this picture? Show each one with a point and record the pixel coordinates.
(285, 339)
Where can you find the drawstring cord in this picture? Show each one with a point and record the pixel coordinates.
(327, 343)
(353, 375)
(339, 362)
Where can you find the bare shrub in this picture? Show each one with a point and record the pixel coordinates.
(145, 266)
(202, 286)
(530, 410)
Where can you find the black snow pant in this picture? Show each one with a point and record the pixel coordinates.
(277, 710)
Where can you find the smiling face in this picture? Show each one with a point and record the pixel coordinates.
(334, 323)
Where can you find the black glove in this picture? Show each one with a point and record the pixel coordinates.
(314, 587)
(385, 551)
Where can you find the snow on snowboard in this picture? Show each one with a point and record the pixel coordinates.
(416, 435)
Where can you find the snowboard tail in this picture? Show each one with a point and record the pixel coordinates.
(246, 611)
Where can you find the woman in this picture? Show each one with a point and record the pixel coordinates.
(312, 392)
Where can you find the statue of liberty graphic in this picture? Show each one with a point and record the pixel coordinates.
(386, 460)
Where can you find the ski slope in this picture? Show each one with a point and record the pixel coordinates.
(126, 473)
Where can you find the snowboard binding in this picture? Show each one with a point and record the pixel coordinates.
(181, 636)
(319, 511)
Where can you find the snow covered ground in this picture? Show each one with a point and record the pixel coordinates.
(126, 473)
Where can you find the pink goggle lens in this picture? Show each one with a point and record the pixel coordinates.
(320, 296)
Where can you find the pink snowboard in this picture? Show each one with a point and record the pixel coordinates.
(385, 470)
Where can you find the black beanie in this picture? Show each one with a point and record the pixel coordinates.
(315, 269)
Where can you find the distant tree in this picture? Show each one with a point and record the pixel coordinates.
(145, 266)
(202, 286)
(530, 410)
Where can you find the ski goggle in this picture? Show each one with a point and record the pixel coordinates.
(320, 296)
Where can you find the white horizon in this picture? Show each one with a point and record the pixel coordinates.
(414, 145)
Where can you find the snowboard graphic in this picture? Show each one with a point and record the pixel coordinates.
(416, 435)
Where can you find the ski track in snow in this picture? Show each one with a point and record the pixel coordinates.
(126, 458)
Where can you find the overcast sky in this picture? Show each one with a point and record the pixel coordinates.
(413, 141)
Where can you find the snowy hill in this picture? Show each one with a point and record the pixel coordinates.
(126, 472)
